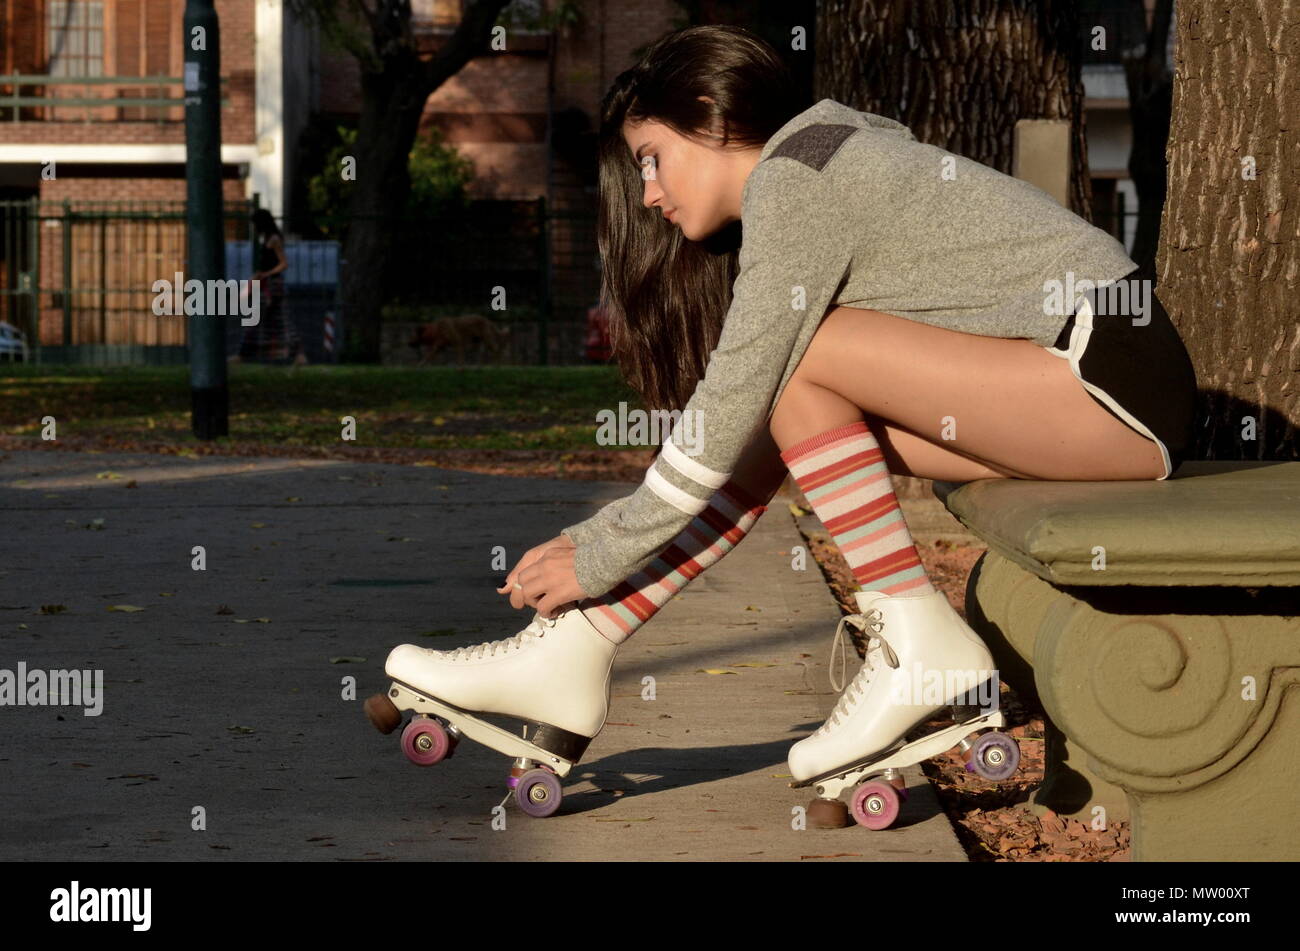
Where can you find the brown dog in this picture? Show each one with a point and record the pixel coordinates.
(457, 332)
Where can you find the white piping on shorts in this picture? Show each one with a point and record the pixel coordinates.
(1079, 335)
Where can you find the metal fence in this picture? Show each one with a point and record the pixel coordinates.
(77, 279)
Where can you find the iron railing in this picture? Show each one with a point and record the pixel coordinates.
(49, 102)
(77, 277)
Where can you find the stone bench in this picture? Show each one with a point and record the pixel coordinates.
(1157, 624)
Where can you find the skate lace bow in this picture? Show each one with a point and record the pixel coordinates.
(874, 622)
(536, 628)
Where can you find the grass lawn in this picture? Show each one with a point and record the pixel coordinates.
(433, 408)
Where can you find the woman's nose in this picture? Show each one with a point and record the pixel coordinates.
(652, 193)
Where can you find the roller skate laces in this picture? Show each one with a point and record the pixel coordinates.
(874, 622)
(536, 628)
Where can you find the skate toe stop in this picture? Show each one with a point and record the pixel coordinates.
(828, 814)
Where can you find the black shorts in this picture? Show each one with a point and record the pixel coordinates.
(1141, 374)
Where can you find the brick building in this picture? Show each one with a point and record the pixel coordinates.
(524, 117)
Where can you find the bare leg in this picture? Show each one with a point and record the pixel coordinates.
(1008, 407)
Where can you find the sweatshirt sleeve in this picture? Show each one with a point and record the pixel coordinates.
(794, 255)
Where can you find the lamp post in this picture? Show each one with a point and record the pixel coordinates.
(204, 224)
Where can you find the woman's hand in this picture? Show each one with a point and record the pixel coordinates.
(546, 577)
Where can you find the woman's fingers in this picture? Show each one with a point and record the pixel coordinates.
(536, 580)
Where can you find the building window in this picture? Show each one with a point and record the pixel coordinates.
(75, 37)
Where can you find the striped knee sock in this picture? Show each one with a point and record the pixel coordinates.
(730, 514)
(843, 475)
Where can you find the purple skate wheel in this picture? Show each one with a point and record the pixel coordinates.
(425, 742)
(538, 793)
(875, 805)
(994, 756)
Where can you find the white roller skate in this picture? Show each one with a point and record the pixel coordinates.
(921, 658)
(554, 674)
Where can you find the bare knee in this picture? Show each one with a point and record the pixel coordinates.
(806, 409)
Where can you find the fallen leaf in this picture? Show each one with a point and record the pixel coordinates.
(259, 525)
(95, 525)
(124, 608)
(347, 660)
(292, 498)
(241, 729)
(52, 609)
(797, 511)
(715, 670)
(754, 665)
(107, 475)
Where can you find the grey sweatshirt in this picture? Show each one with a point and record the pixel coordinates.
(846, 207)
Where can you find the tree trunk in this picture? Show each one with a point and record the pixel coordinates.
(959, 73)
(396, 80)
(391, 105)
(1150, 98)
(1229, 256)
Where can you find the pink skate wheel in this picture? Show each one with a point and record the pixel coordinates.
(424, 741)
(995, 756)
(538, 793)
(875, 805)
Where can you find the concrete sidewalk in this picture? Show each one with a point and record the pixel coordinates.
(345, 560)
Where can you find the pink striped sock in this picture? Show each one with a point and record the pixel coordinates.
(843, 475)
(730, 515)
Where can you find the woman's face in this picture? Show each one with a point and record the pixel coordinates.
(696, 186)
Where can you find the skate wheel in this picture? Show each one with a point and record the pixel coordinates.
(828, 814)
(383, 713)
(875, 804)
(424, 741)
(994, 756)
(538, 793)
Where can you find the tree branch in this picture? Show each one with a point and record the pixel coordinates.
(469, 39)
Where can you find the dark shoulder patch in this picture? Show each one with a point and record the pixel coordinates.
(814, 145)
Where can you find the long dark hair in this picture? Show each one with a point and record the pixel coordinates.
(265, 224)
(666, 295)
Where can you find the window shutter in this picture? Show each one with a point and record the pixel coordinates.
(127, 46)
(157, 39)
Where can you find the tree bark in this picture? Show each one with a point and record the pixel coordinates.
(1150, 97)
(1229, 256)
(959, 73)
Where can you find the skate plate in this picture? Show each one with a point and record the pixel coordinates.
(831, 784)
(405, 697)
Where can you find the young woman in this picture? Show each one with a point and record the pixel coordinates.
(834, 300)
(273, 335)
